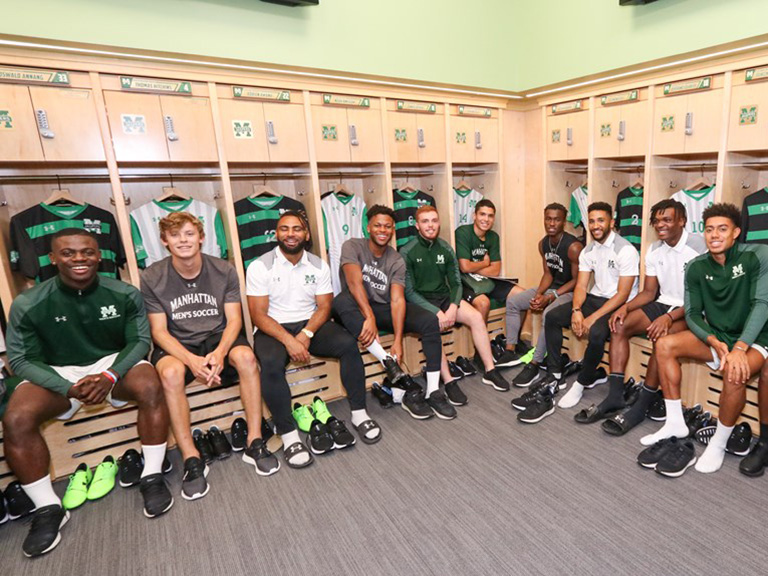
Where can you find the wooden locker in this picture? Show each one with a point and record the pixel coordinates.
(366, 123)
(577, 125)
(19, 139)
(462, 139)
(606, 131)
(242, 123)
(331, 133)
(289, 130)
(635, 119)
(402, 136)
(488, 128)
(556, 135)
(136, 124)
(72, 120)
(706, 110)
(749, 117)
(433, 129)
(669, 125)
(192, 125)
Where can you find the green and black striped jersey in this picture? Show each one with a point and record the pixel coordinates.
(256, 223)
(629, 215)
(754, 218)
(406, 204)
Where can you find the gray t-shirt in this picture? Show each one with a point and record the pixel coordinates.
(378, 273)
(194, 308)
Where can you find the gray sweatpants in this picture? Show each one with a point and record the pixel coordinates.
(519, 303)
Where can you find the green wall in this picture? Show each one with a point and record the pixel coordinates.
(494, 44)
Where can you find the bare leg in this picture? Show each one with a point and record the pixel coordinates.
(244, 361)
(172, 371)
(483, 305)
(472, 318)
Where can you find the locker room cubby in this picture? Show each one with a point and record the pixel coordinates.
(415, 137)
(562, 178)
(745, 173)
(621, 130)
(431, 179)
(486, 180)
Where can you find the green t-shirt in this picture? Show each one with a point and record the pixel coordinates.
(470, 247)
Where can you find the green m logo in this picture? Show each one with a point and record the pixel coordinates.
(461, 137)
(310, 279)
(555, 136)
(605, 130)
(5, 119)
(330, 132)
(401, 135)
(242, 129)
(667, 123)
(748, 115)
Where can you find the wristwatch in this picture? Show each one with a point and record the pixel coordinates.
(553, 292)
(575, 310)
(308, 333)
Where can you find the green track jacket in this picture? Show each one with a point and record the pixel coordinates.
(432, 272)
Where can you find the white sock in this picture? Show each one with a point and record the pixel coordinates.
(153, 458)
(572, 397)
(360, 416)
(712, 458)
(674, 425)
(433, 381)
(41, 492)
(290, 439)
(376, 349)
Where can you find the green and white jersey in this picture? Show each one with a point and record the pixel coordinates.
(344, 217)
(464, 202)
(577, 211)
(146, 233)
(695, 202)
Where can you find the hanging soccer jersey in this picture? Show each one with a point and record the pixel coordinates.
(257, 220)
(146, 233)
(754, 218)
(406, 204)
(577, 211)
(464, 202)
(629, 215)
(31, 232)
(344, 217)
(695, 202)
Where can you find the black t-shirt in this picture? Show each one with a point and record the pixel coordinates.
(256, 223)
(557, 260)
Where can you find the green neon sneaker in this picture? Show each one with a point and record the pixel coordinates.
(321, 410)
(78, 487)
(103, 479)
(303, 416)
(526, 359)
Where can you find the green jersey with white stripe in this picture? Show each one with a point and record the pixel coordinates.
(344, 217)
(464, 202)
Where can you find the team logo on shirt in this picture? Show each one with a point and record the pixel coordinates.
(737, 270)
(93, 226)
(309, 279)
(108, 312)
(611, 264)
(440, 259)
(708, 277)
(61, 319)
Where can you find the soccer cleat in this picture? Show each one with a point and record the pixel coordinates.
(303, 416)
(495, 379)
(455, 370)
(239, 433)
(45, 533)
(392, 368)
(320, 410)
(540, 408)
(320, 439)
(103, 479)
(466, 367)
(740, 440)
(258, 455)
(443, 409)
(651, 456)
(19, 504)
(601, 377)
(526, 376)
(203, 445)
(194, 484)
(342, 437)
(130, 467)
(416, 405)
(157, 497)
(455, 394)
(222, 449)
(657, 411)
(754, 464)
(676, 460)
(77, 489)
(507, 359)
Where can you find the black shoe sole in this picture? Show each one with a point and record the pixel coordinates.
(537, 419)
(417, 416)
(755, 474)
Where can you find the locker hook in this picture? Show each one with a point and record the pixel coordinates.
(170, 177)
(58, 181)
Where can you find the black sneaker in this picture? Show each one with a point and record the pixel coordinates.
(455, 394)
(690, 414)
(540, 408)
(754, 464)
(443, 409)
(384, 396)
(740, 440)
(44, 534)
(222, 449)
(203, 445)
(601, 377)
(632, 391)
(167, 464)
(526, 376)
(466, 367)
(497, 351)
(455, 370)
(657, 411)
(495, 379)
(507, 359)
(258, 455)
(19, 504)
(676, 460)
(522, 402)
(569, 366)
(320, 439)
(266, 429)
(651, 456)
(392, 368)
(416, 405)
(702, 421)
(129, 468)
(239, 433)
(4, 516)
(157, 497)
(522, 348)
(342, 437)
(501, 340)
(193, 483)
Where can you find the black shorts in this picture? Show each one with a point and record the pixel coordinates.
(501, 289)
(442, 303)
(656, 309)
(229, 376)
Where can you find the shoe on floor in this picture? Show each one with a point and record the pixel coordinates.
(19, 504)
(650, 457)
(384, 396)
(416, 405)
(530, 396)
(222, 449)
(455, 371)
(455, 394)
(466, 367)
(239, 434)
(740, 440)
(77, 489)
(676, 460)
(130, 467)
(193, 483)
(392, 368)
(508, 358)
(443, 409)
(542, 406)
(293, 453)
(754, 464)
(45, 533)
(157, 497)
(601, 377)
(203, 445)
(4, 516)
(657, 411)
(495, 379)
(526, 376)
(303, 416)
(103, 479)
(259, 456)
(320, 438)
(320, 410)
(342, 437)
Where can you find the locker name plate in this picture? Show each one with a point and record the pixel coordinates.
(151, 85)
(261, 94)
(688, 86)
(425, 107)
(339, 100)
(568, 107)
(474, 111)
(755, 74)
(629, 96)
(33, 75)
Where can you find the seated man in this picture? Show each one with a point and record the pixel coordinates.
(726, 307)
(373, 297)
(289, 297)
(433, 282)
(560, 258)
(84, 337)
(195, 314)
(655, 312)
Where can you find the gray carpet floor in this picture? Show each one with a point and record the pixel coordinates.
(482, 494)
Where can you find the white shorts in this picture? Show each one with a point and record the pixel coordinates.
(715, 364)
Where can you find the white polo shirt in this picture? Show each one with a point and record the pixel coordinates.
(291, 289)
(668, 264)
(609, 261)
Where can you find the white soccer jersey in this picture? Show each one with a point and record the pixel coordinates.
(344, 217)
(464, 202)
(146, 234)
(695, 202)
(577, 211)
(667, 263)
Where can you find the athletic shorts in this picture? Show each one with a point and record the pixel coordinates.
(501, 289)
(229, 376)
(443, 303)
(656, 309)
(715, 364)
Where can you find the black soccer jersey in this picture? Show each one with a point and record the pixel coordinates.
(406, 204)
(256, 223)
(754, 218)
(629, 215)
(31, 232)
